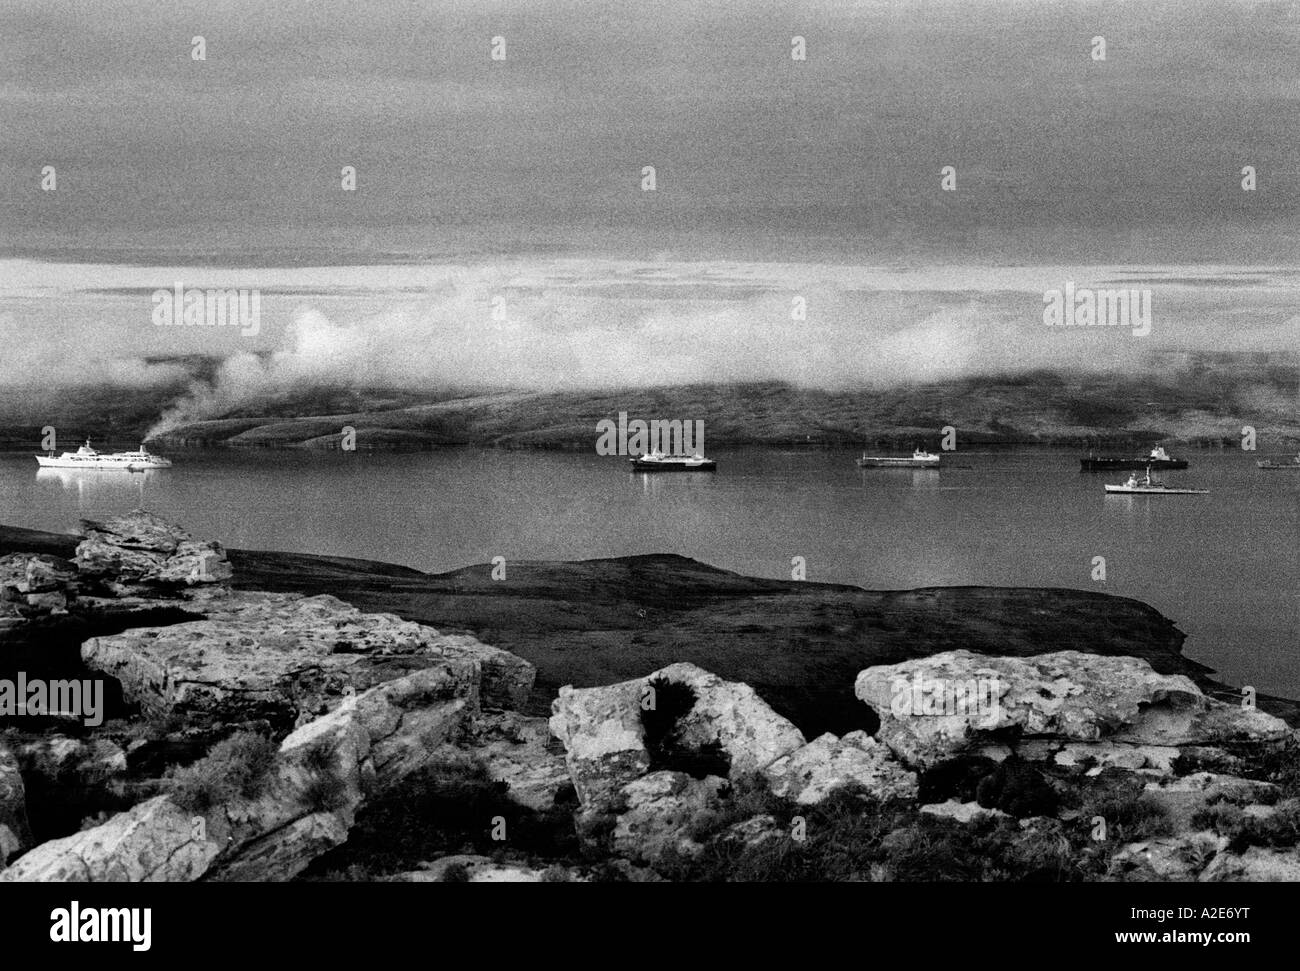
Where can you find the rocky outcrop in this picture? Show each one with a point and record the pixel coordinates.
(34, 586)
(335, 712)
(827, 764)
(305, 805)
(153, 842)
(603, 739)
(141, 549)
(934, 708)
(283, 657)
(604, 730)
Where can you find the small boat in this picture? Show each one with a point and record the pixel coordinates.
(921, 459)
(1294, 464)
(1149, 487)
(87, 458)
(1157, 459)
(657, 461)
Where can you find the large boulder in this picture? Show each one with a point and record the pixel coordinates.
(603, 729)
(603, 739)
(140, 548)
(826, 764)
(730, 716)
(34, 585)
(935, 707)
(284, 657)
(28, 573)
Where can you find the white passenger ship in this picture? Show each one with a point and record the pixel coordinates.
(87, 458)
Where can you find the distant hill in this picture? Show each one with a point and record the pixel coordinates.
(1201, 399)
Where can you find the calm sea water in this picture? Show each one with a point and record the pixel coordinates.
(1224, 567)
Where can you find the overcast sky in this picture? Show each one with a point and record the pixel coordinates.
(521, 179)
(1058, 157)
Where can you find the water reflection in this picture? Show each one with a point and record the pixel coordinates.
(656, 485)
(1128, 509)
(97, 485)
(917, 478)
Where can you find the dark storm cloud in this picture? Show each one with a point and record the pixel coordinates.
(1138, 154)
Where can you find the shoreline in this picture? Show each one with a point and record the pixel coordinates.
(799, 643)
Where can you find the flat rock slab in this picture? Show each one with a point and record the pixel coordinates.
(284, 657)
(153, 842)
(936, 707)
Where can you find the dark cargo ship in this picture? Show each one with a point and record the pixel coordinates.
(1158, 459)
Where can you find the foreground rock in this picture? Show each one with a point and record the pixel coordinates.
(827, 764)
(519, 752)
(284, 657)
(33, 585)
(333, 706)
(604, 730)
(934, 708)
(305, 805)
(141, 549)
(658, 813)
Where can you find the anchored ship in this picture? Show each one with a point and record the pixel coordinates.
(87, 458)
(1271, 464)
(1157, 459)
(921, 459)
(1149, 487)
(657, 461)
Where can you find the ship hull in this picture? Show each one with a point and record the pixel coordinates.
(45, 462)
(890, 463)
(1113, 490)
(1280, 466)
(709, 465)
(1115, 465)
